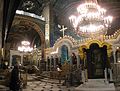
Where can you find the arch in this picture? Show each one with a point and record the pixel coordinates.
(94, 41)
(94, 45)
(81, 48)
(67, 45)
(63, 41)
(109, 46)
(64, 53)
(26, 21)
(100, 44)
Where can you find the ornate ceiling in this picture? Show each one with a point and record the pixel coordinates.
(66, 8)
(62, 9)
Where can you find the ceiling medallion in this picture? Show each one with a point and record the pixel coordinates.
(90, 20)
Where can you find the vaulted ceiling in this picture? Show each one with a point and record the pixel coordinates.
(62, 9)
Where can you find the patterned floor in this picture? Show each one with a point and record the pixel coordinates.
(46, 84)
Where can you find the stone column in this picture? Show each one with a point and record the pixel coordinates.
(46, 64)
(83, 76)
(105, 72)
(10, 62)
(1, 20)
(0, 39)
(21, 59)
(110, 72)
(78, 61)
(0, 47)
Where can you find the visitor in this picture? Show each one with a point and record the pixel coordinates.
(15, 79)
(48, 63)
(74, 59)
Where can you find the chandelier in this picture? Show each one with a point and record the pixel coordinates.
(25, 47)
(91, 19)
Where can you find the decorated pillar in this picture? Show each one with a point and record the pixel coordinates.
(49, 26)
(46, 14)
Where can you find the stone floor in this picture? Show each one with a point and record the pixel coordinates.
(44, 86)
(48, 85)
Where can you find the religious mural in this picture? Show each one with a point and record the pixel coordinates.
(64, 54)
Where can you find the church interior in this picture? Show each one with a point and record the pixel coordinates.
(60, 45)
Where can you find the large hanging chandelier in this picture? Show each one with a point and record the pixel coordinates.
(25, 47)
(90, 20)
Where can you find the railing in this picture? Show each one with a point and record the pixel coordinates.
(116, 72)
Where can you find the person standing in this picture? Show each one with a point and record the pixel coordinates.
(48, 63)
(15, 79)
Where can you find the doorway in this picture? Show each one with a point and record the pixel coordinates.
(95, 61)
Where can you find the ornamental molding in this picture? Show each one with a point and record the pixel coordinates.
(113, 39)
